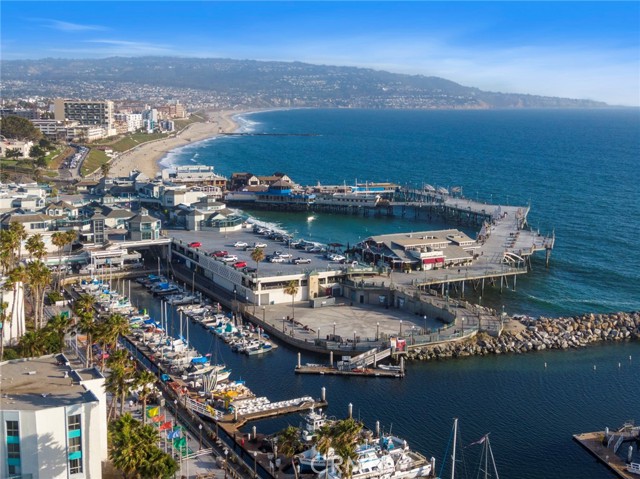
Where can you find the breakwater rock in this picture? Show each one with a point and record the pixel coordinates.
(539, 335)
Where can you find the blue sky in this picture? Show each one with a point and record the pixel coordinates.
(569, 49)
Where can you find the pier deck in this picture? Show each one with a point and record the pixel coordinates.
(592, 442)
(229, 423)
(328, 370)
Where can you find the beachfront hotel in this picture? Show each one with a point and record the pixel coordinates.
(53, 420)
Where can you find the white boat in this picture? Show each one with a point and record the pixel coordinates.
(259, 347)
(634, 468)
(313, 421)
(355, 198)
(387, 457)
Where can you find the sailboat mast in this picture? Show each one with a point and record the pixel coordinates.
(453, 455)
(486, 458)
(493, 461)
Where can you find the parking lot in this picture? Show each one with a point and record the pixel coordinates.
(215, 243)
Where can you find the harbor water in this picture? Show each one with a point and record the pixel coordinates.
(530, 404)
(577, 169)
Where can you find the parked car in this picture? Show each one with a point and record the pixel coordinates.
(229, 258)
(282, 254)
(301, 260)
(260, 245)
(240, 264)
(240, 244)
(219, 254)
(195, 244)
(277, 259)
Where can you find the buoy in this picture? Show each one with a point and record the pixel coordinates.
(619, 365)
(545, 365)
(594, 367)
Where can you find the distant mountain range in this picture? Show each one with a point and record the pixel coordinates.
(255, 84)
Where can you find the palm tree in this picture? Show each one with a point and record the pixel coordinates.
(292, 290)
(257, 255)
(105, 168)
(120, 379)
(60, 240)
(35, 246)
(289, 444)
(57, 326)
(38, 277)
(4, 319)
(145, 381)
(32, 344)
(343, 437)
(18, 235)
(135, 453)
(84, 308)
(116, 325)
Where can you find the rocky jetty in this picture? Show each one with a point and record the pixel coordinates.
(538, 335)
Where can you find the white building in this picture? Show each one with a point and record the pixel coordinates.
(53, 420)
(14, 326)
(133, 120)
(22, 147)
(86, 112)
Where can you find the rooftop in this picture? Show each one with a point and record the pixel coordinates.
(44, 382)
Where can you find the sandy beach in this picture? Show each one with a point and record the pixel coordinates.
(145, 157)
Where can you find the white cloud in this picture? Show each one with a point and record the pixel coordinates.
(123, 48)
(71, 27)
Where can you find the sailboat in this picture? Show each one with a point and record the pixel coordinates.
(487, 464)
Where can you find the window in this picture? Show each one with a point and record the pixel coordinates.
(13, 451)
(74, 441)
(12, 428)
(13, 447)
(75, 466)
(75, 444)
(74, 422)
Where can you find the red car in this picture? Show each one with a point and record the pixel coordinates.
(240, 264)
(220, 254)
(195, 244)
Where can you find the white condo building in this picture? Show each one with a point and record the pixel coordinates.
(53, 420)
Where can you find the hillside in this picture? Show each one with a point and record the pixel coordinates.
(231, 83)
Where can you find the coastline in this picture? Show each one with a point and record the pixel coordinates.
(146, 157)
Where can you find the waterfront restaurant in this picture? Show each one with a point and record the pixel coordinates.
(419, 251)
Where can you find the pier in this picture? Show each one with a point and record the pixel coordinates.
(608, 448)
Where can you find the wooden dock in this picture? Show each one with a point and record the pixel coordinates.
(366, 372)
(593, 442)
(230, 424)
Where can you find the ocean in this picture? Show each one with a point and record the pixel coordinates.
(577, 170)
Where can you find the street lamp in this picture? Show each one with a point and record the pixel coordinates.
(175, 403)
(400, 327)
(283, 320)
(318, 333)
(377, 331)
(354, 340)
(200, 428)
(462, 322)
(226, 464)
(255, 460)
(334, 328)
(235, 297)
(263, 314)
(425, 324)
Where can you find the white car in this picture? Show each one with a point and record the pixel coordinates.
(277, 259)
(229, 258)
(260, 245)
(240, 244)
(282, 254)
